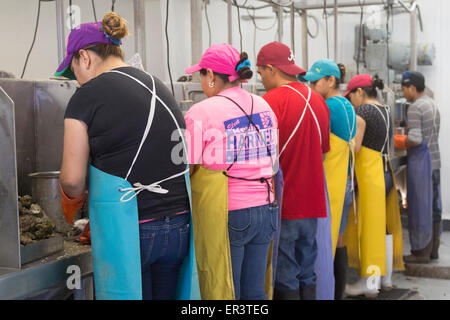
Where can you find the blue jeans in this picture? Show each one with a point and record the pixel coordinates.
(297, 254)
(348, 200)
(164, 245)
(250, 231)
(388, 181)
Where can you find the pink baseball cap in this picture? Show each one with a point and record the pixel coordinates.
(359, 81)
(279, 55)
(220, 58)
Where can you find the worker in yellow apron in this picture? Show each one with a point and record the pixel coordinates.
(373, 235)
(325, 77)
(222, 275)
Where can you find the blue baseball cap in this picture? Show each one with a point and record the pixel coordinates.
(321, 69)
(413, 77)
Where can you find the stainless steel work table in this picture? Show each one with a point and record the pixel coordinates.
(48, 273)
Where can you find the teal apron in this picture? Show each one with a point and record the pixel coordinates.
(114, 222)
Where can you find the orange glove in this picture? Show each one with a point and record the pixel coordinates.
(85, 237)
(71, 206)
(400, 141)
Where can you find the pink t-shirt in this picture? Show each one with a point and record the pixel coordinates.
(217, 131)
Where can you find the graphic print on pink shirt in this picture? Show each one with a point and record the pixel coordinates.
(216, 133)
(244, 143)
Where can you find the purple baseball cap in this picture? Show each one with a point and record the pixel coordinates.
(84, 35)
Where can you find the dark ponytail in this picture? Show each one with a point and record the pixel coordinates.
(377, 83)
(338, 82)
(343, 71)
(244, 72)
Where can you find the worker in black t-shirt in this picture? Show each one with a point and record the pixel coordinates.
(374, 236)
(129, 125)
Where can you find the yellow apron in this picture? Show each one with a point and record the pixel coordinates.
(211, 241)
(336, 172)
(365, 235)
(210, 219)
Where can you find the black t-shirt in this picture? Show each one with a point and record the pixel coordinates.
(375, 134)
(116, 109)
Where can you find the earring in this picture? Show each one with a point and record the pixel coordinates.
(211, 84)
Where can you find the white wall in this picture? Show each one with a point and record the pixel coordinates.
(17, 21)
(436, 26)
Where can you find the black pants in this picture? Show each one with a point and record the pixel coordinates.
(437, 204)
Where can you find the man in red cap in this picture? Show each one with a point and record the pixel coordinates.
(303, 119)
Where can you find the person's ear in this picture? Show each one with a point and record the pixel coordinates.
(331, 82)
(209, 74)
(271, 69)
(85, 59)
(360, 92)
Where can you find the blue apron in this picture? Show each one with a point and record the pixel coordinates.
(114, 222)
(324, 266)
(419, 196)
(279, 187)
(116, 256)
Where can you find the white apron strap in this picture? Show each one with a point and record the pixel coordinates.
(386, 141)
(308, 106)
(154, 187)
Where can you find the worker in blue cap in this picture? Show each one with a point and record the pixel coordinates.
(325, 77)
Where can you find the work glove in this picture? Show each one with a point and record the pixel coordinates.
(400, 141)
(71, 206)
(85, 237)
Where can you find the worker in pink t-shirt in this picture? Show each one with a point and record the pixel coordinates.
(232, 142)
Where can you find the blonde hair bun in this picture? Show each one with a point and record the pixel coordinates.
(115, 26)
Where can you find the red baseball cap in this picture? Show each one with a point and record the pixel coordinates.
(359, 81)
(279, 55)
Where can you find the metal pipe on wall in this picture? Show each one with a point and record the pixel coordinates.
(413, 33)
(60, 30)
(139, 30)
(320, 5)
(413, 39)
(292, 16)
(304, 40)
(196, 34)
(280, 23)
(335, 30)
(229, 22)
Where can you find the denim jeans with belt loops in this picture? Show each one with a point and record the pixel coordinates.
(164, 245)
(297, 253)
(250, 231)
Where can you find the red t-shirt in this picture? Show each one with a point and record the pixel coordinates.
(301, 161)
